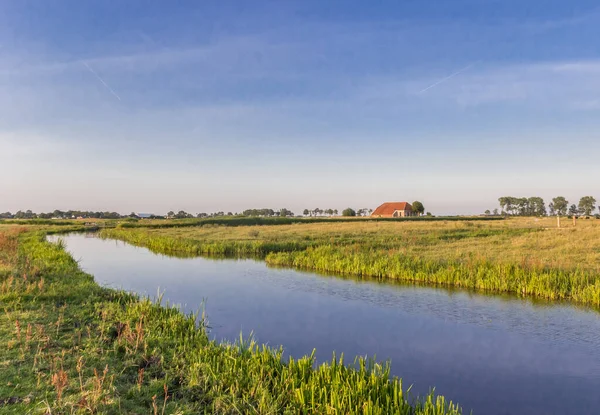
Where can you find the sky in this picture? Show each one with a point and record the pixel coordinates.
(151, 106)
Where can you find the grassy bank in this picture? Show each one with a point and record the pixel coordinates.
(68, 345)
(267, 221)
(527, 257)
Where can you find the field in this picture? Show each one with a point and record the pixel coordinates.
(524, 256)
(69, 346)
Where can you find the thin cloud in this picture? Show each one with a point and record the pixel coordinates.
(102, 80)
(466, 68)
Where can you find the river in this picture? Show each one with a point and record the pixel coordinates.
(492, 354)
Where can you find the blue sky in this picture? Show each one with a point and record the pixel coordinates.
(205, 106)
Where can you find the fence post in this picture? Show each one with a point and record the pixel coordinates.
(557, 221)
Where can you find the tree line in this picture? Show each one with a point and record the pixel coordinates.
(535, 206)
(182, 214)
(60, 214)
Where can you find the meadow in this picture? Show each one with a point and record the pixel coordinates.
(69, 346)
(523, 256)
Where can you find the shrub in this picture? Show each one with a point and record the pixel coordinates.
(348, 212)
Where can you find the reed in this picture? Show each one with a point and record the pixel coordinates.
(553, 284)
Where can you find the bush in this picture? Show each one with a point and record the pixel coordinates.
(348, 212)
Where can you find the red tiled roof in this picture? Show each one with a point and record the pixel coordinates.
(388, 208)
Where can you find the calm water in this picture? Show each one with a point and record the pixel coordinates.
(495, 355)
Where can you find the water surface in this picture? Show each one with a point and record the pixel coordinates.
(495, 355)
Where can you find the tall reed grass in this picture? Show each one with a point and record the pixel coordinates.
(170, 245)
(554, 284)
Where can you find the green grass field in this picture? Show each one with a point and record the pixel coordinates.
(68, 346)
(524, 256)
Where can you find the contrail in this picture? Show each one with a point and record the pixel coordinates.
(466, 68)
(101, 80)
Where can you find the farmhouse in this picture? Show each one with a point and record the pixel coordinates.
(394, 210)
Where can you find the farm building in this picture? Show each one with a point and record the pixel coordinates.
(394, 210)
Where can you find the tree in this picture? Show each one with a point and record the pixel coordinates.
(335, 212)
(573, 211)
(418, 207)
(536, 207)
(183, 214)
(305, 212)
(348, 212)
(587, 204)
(551, 210)
(285, 212)
(560, 205)
(496, 212)
(506, 203)
(170, 214)
(487, 212)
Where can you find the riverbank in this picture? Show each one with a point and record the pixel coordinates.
(71, 346)
(525, 257)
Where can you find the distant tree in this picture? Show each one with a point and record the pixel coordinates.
(229, 213)
(428, 214)
(536, 207)
(133, 215)
(561, 205)
(551, 210)
(496, 212)
(506, 204)
(335, 212)
(370, 211)
(170, 214)
(183, 214)
(573, 211)
(285, 212)
(418, 207)
(348, 212)
(587, 205)
(522, 206)
(6, 215)
(306, 212)
(487, 212)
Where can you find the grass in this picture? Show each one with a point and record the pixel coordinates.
(68, 345)
(523, 256)
(262, 221)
